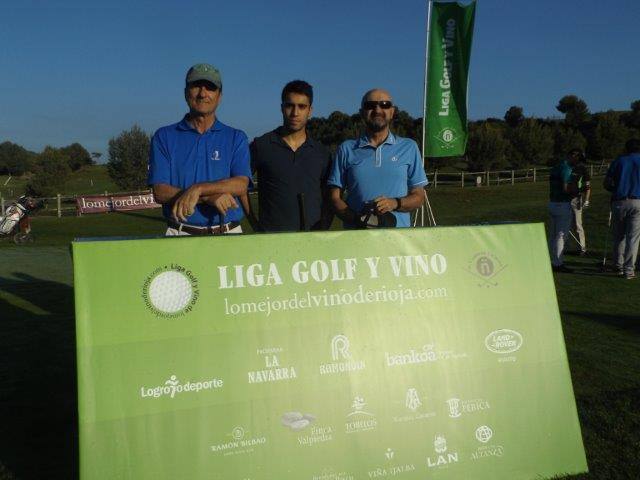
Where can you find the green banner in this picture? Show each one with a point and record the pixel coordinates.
(408, 353)
(451, 31)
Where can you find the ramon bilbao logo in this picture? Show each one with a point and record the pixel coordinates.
(170, 291)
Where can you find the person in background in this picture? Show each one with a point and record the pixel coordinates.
(623, 181)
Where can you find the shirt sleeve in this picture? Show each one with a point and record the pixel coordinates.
(241, 161)
(159, 162)
(338, 170)
(416, 175)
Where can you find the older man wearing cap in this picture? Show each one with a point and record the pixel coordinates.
(199, 166)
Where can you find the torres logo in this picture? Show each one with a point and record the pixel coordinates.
(170, 291)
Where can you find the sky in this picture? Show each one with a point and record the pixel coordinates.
(78, 72)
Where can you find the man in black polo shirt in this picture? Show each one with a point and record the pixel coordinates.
(292, 169)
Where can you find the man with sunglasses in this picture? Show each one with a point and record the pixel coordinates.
(292, 169)
(382, 173)
(199, 166)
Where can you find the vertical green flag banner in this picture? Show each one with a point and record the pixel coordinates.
(451, 32)
(408, 353)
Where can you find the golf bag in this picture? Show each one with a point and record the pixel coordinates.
(18, 210)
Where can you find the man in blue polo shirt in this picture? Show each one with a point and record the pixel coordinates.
(623, 180)
(199, 166)
(381, 172)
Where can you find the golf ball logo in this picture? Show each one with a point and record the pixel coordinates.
(170, 291)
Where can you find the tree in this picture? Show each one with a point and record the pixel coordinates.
(632, 118)
(487, 147)
(96, 156)
(14, 159)
(575, 110)
(532, 143)
(564, 139)
(50, 174)
(78, 156)
(514, 116)
(609, 137)
(128, 157)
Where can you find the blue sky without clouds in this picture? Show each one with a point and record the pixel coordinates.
(79, 71)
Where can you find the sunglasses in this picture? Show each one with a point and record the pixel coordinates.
(372, 104)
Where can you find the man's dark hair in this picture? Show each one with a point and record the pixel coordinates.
(632, 146)
(577, 153)
(298, 86)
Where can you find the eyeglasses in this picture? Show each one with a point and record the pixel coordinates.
(372, 104)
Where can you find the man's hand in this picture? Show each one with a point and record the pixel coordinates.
(223, 202)
(586, 204)
(384, 205)
(185, 204)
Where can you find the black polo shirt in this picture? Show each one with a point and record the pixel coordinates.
(283, 175)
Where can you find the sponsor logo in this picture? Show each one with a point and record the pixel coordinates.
(173, 387)
(240, 443)
(170, 291)
(443, 456)
(215, 155)
(426, 354)
(272, 371)
(447, 137)
(330, 474)
(359, 419)
(457, 407)
(390, 470)
(317, 434)
(503, 341)
(484, 434)
(486, 268)
(342, 359)
(414, 410)
(297, 421)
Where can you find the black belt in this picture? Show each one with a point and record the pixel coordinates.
(193, 230)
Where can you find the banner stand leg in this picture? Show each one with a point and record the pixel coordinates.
(425, 207)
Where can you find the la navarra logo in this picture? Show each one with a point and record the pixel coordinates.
(170, 291)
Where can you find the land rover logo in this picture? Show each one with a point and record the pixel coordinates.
(503, 341)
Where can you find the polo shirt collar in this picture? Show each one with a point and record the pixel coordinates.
(363, 141)
(276, 137)
(186, 126)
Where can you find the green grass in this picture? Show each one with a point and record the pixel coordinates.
(90, 179)
(600, 316)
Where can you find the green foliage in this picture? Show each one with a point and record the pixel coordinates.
(487, 146)
(14, 159)
(128, 158)
(514, 116)
(566, 138)
(78, 156)
(609, 137)
(575, 110)
(50, 174)
(632, 119)
(532, 143)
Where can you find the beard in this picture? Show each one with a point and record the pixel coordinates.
(376, 124)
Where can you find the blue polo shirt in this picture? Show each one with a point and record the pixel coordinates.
(625, 172)
(180, 156)
(367, 172)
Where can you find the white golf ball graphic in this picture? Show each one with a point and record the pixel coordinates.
(170, 292)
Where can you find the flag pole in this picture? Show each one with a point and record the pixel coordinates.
(424, 121)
